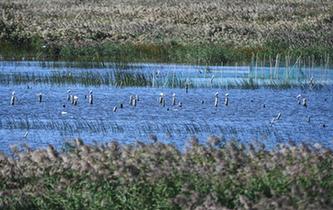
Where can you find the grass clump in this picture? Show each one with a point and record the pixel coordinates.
(159, 176)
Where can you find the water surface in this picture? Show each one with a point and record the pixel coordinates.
(247, 118)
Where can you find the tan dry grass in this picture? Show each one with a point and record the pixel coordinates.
(239, 22)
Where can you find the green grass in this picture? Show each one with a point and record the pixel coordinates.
(159, 176)
(203, 54)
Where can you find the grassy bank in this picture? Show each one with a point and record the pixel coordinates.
(201, 54)
(190, 31)
(158, 176)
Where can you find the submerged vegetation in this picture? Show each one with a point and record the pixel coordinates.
(188, 31)
(217, 175)
(120, 78)
(268, 72)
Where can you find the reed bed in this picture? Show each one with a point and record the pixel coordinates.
(278, 79)
(216, 175)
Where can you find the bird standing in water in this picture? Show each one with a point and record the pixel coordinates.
(304, 102)
(216, 103)
(75, 100)
(13, 98)
(90, 97)
(173, 99)
(69, 96)
(39, 97)
(299, 97)
(161, 99)
(226, 99)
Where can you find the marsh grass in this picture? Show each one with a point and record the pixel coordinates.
(227, 32)
(107, 126)
(219, 174)
(135, 75)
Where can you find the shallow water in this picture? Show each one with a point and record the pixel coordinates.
(247, 118)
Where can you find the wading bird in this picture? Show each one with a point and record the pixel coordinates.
(75, 100)
(216, 103)
(299, 97)
(132, 100)
(161, 99)
(39, 97)
(13, 98)
(69, 96)
(304, 102)
(90, 97)
(173, 99)
(226, 99)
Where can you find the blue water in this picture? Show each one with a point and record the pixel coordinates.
(247, 118)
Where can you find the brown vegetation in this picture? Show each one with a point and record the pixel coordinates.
(296, 23)
(218, 175)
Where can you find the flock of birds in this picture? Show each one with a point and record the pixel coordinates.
(73, 99)
(133, 99)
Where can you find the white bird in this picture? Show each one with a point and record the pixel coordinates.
(13, 98)
(216, 99)
(133, 100)
(69, 96)
(90, 97)
(115, 109)
(226, 99)
(161, 100)
(63, 113)
(173, 99)
(304, 102)
(75, 100)
(299, 97)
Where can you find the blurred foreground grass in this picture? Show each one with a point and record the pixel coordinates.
(217, 175)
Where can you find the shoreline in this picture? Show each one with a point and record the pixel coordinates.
(164, 53)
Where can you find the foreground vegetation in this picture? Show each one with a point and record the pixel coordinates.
(187, 31)
(218, 175)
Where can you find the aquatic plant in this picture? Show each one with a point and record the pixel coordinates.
(219, 174)
(134, 76)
